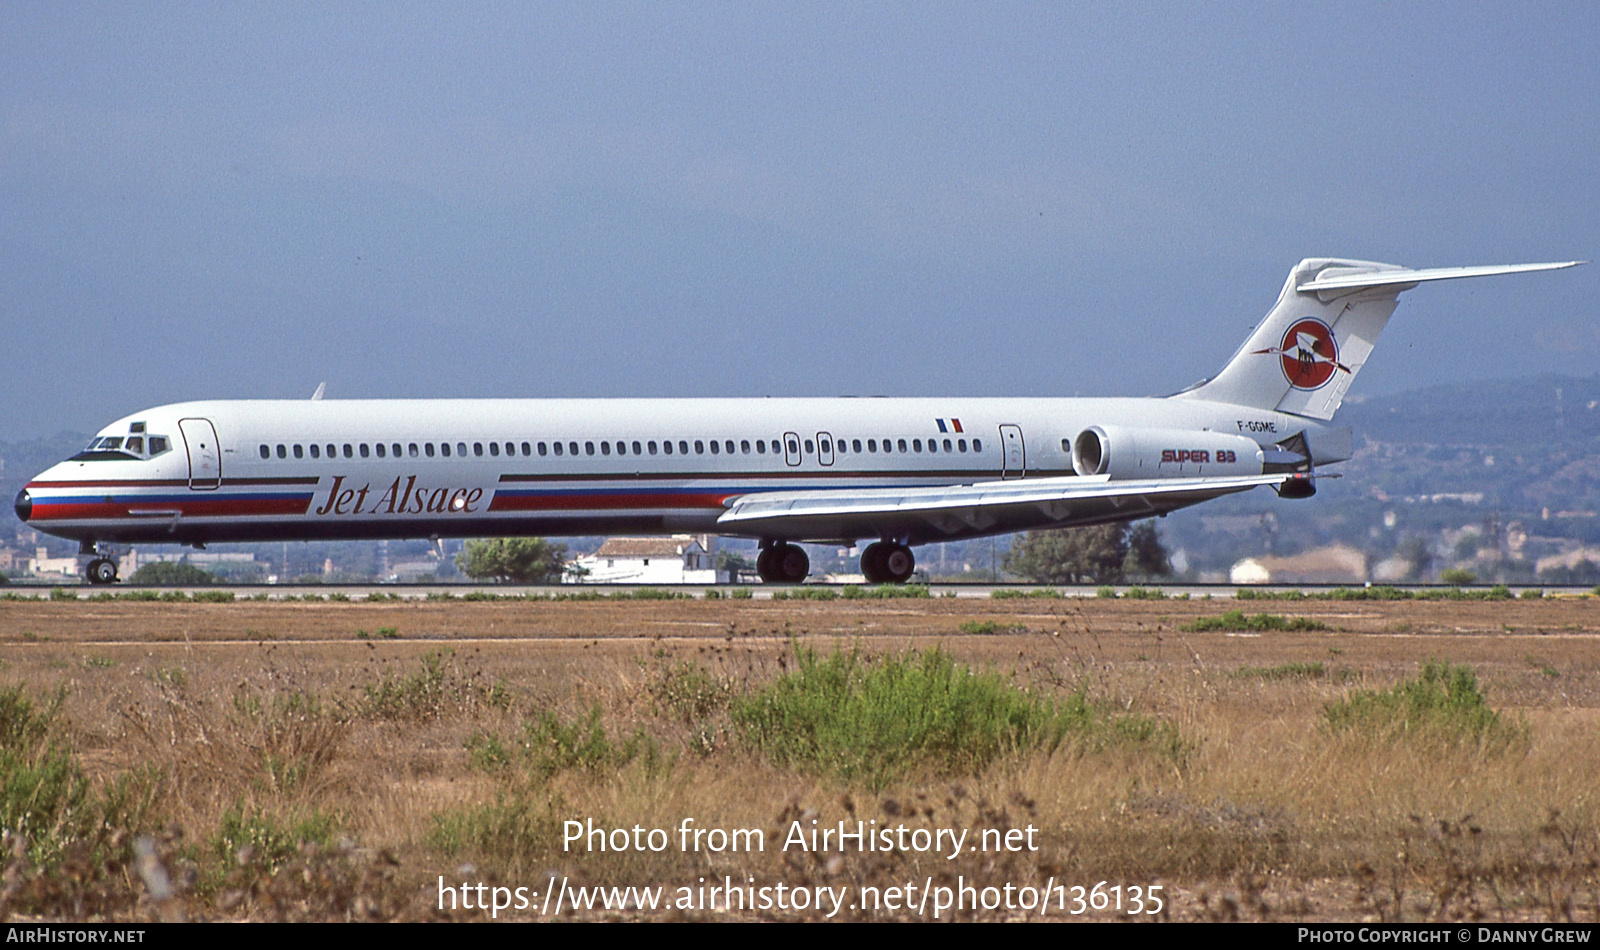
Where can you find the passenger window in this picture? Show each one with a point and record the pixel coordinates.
(1066, 445)
(382, 450)
(872, 445)
(636, 448)
(588, 448)
(427, 449)
(316, 451)
(605, 448)
(855, 445)
(744, 446)
(558, 448)
(363, 450)
(511, 448)
(977, 445)
(527, 449)
(299, 451)
(826, 446)
(683, 446)
(728, 445)
(761, 446)
(542, 447)
(444, 449)
(494, 449)
(348, 451)
(283, 453)
(947, 445)
(265, 452)
(477, 449)
(933, 445)
(961, 444)
(902, 445)
(413, 450)
(461, 449)
(396, 449)
(794, 447)
(667, 446)
(714, 448)
(652, 444)
(572, 448)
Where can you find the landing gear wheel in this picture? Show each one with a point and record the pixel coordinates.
(791, 564)
(783, 564)
(872, 563)
(898, 563)
(102, 570)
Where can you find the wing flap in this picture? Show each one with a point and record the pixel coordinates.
(948, 512)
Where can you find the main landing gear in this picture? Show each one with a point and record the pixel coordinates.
(887, 562)
(783, 564)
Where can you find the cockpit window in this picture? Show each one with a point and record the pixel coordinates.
(109, 448)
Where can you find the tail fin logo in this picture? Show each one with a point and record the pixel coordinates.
(1309, 354)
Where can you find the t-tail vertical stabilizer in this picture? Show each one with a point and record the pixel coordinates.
(1304, 355)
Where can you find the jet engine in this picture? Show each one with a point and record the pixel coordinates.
(1123, 452)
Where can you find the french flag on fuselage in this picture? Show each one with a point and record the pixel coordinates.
(955, 425)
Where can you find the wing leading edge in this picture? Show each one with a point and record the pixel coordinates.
(922, 515)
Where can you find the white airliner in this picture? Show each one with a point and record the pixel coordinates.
(900, 472)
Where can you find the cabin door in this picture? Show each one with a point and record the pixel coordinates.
(791, 448)
(1014, 455)
(205, 458)
(824, 448)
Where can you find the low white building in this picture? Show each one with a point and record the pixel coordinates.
(44, 565)
(680, 559)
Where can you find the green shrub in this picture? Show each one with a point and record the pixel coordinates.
(1282, 671)
(985, 627)
(46, 801)
(1443, 703)
(805, 593)
(550, 745)
(257, 839)
(885, 592)
(872, 720)
(1236, 621)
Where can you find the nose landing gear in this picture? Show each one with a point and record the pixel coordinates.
(102, 566)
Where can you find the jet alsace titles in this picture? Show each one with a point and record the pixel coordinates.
(900, 472)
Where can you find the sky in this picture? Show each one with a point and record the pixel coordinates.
(245, 200)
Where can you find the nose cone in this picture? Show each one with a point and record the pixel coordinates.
(24, 505)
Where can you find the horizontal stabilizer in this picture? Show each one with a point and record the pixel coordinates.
(1333, 279)
(1303, 357)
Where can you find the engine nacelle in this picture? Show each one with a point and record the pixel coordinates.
(1123, 452)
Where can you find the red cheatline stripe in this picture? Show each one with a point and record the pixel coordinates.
(605, 502)
(79, 511)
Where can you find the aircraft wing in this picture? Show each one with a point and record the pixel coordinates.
(949, 512)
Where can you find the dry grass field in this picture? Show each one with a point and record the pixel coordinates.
(338, 760)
